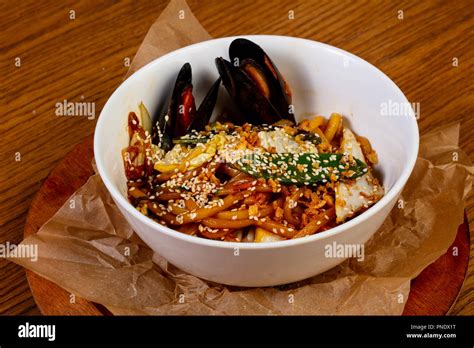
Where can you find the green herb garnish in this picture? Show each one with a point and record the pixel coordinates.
(302, 168)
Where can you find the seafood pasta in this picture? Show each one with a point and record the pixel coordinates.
(256, 177)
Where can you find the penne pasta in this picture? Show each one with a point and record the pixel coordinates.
(332, 127)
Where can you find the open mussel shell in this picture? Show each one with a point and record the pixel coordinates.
(256, 72)
(182, 107)
(181, 115)
(256, 108)
(171, 122)
(251, 58)
(204, 112)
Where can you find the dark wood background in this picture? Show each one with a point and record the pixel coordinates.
(83, 59)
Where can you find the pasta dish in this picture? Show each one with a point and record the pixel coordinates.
(258, 177)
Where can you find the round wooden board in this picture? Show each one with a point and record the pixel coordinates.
(433, 292)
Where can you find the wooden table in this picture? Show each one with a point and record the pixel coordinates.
(47, 58)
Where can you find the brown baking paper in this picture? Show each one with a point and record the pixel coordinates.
(83, 248)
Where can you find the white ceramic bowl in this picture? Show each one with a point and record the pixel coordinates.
(323, 79)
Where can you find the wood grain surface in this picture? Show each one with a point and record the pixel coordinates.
(82, 59)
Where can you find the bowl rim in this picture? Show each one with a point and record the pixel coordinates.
(378, 206)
